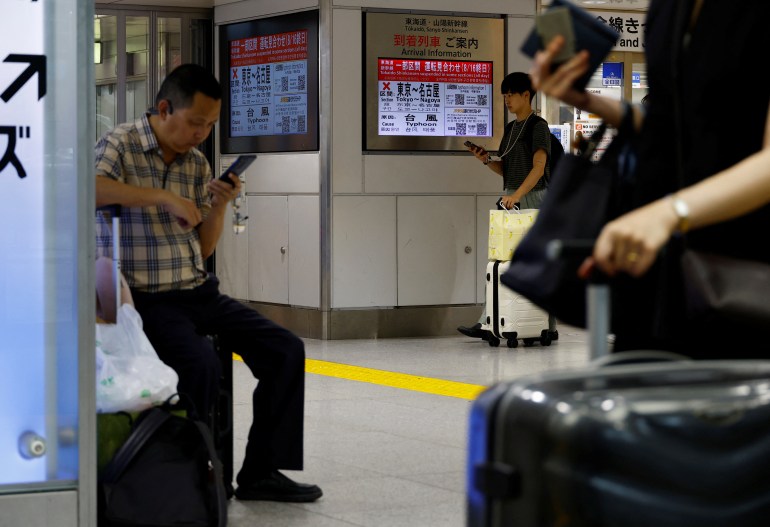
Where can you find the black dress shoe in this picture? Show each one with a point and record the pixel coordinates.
(474, 332)
(277, 487)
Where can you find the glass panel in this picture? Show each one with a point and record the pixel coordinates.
(46, 183)
(106, 71)
(137, 58)
(169, 46)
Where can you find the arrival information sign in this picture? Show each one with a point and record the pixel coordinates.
(433, 81)
(268, 85)
(435, 98)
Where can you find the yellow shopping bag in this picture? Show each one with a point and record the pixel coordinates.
(506, 229)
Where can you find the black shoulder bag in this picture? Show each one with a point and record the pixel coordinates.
(166, 474)
(582, 197)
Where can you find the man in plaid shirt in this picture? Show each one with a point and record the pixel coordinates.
(172, 216)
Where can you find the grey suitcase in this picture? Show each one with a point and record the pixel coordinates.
(634, 439)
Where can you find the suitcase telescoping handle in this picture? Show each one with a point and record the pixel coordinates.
(114, 213)
(598, 310)
(597, 294)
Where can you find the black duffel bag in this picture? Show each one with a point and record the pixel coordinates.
(167, 473)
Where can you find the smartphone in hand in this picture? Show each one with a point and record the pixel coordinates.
(237, 168)
(468, 144)
(555, 22)
(581, 31)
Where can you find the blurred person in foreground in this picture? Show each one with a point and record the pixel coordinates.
(722, 201)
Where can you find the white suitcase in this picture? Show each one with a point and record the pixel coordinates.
(510, 316)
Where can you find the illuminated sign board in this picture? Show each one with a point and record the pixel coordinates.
(269, 68)
(435, 98)
(432, 81)
(268, 85)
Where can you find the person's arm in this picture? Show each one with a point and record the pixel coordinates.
(560, 84)
(539, 160)
(112, 192)
(496, 167)
(211, 229)
(631, 242)
(483, 156)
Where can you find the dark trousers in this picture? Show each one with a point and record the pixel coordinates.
(177, 323)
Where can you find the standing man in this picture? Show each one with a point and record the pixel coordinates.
(522, 162)
(173, 214)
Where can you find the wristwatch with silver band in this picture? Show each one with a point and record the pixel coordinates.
(682, 211)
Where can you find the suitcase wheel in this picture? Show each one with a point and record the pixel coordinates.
(528, 342)
(494, 341)
(513, 343)
(545, 338)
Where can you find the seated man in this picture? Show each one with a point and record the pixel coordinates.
(172, 216)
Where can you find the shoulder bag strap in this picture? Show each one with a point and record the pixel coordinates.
(149, 424)
(217, 466)
(529, 132)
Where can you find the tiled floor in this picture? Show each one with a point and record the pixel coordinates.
(387, 456)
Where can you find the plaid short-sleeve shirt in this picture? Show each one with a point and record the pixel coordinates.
(157, 253)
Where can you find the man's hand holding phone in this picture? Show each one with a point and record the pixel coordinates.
(222, 194)
(480, 153)
(238, 167)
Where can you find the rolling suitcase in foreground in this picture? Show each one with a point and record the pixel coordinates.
(511, 316)
(635, 439)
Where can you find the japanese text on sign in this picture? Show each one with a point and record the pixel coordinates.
(268, 84)
(434, 98)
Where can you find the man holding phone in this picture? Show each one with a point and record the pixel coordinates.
(173, 215)
(522, 161)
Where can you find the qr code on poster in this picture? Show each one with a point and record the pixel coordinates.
(481, 129)
(301, 83)
(459, 99)
(482, 99)
(460, 129)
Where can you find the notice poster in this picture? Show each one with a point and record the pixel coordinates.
(431, 82)
(435, 98)
(268, 84)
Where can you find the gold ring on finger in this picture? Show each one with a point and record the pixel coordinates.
(632, 257)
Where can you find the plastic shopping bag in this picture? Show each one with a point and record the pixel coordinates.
(129, 375)
(506, 229)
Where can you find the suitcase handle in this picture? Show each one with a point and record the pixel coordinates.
(639, 357)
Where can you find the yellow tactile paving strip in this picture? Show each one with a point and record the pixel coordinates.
(403, 381)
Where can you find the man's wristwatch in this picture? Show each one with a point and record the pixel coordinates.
(682, 211)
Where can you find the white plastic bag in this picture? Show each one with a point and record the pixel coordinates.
(129, 375)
